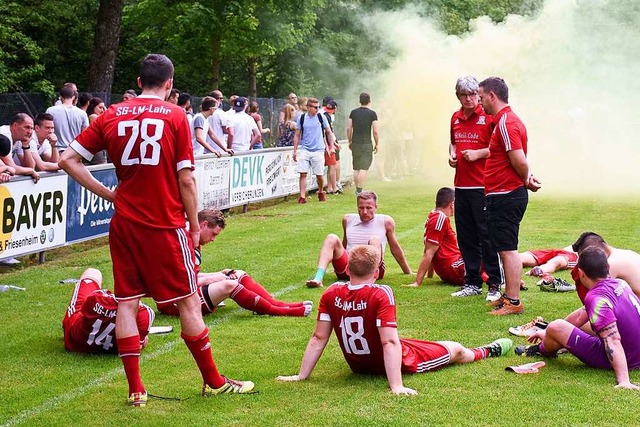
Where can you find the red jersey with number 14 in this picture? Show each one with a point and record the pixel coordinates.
(148, 141)
(356, 312)
(509, 134)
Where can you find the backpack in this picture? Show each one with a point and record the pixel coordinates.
(321, 124)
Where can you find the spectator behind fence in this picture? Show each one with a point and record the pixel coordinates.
(74, 88)
(245, 129)
(218, 121)
(302, 108)
(293, 101)
(69, 120)
(83, 101)
(19, 132)
(287, 129)
(43, 142)
(254, 112)
(129, 94)
(184, 101)
(96, 108)
(200, 129)
(173, 96)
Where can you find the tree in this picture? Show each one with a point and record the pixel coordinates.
(105, 45)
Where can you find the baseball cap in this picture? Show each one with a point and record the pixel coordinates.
(331, 106)
(239, 103)
(5, 146)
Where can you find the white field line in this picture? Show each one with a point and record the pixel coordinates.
(98, 382)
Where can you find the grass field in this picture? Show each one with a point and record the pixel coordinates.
(41, 384)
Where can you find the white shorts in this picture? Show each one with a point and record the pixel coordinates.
(310, 161)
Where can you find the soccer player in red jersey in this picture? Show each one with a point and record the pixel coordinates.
(548, 260)
(507, 179)
(441, 253)
(90, 323)
(148, 140)
(213, 288)
(471, 130)
(363, 316)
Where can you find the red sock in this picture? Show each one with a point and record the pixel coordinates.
(254, 302)
(200, 348)
(480, 353)
(129, 352)
(253, 286)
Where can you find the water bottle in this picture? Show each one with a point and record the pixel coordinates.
(5, 288)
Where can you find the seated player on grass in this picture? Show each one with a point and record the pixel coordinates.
(235, 284)
(613, 311)
(364, 228)
(549, 260)
(90, 323)
(441, 252)
(363, 316)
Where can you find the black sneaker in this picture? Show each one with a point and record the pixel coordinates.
(528, 350)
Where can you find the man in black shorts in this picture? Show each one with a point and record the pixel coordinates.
(361, 122)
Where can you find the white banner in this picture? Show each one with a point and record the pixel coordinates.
(34, 216)
(212, 178)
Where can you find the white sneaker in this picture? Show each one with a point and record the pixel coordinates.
(529, 328)
(493, 295)
(467, 291)
(9, 261)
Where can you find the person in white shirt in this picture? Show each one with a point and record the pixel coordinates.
(200, 129)
(245, 130)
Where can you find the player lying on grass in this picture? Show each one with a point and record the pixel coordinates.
(613, 311)
(365, 227)
(548, 260)
(363, 316)
(90, 323)
(214, 288)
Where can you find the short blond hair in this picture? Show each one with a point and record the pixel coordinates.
(363, 260)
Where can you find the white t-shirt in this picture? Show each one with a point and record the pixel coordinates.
(216, 121)
(243, 125)
(69, 122)
(16, 147)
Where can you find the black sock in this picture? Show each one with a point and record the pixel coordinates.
(513, 301)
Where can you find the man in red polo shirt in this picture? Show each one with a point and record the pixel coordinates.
(507, 178)
(470, 134)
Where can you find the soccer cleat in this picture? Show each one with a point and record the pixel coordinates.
(536, 271)
(499, 347)
(496, 302)
(556, 285)
(493, 293)
(312, 283)
(528, 329)
(229, 387)
(467, 291)
(302, 200)
(528, 350)
(138, 400)
(321, 196)
(308, 306)
(506, 307)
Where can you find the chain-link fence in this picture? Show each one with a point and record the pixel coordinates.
(34, 103)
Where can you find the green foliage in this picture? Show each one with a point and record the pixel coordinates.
(44, 385)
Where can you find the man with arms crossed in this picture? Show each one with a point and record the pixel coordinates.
(148, 140)
(363, 316)
(469, 147)
(364, 228)
(613, 311)
(507, 178)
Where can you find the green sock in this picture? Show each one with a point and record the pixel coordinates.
(319, 275)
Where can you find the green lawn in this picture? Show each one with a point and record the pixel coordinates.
(41, 384)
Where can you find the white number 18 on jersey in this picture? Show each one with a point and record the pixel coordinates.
(353, 335)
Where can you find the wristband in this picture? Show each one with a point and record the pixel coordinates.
(26, 148)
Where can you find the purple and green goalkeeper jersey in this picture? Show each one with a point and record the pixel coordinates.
(612, 300)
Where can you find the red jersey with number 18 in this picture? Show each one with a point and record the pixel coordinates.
(148, 141)
(356, 312)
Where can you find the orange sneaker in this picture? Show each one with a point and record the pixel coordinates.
(506, 308)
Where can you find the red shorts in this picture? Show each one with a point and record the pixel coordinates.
(171, 309)
(340, 267)
(330, 159)
(154, 262)
(422, 356)
(453, 273)
(543, 256)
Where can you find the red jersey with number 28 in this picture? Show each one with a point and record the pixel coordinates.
(355, 313)
(509, 134)
(148, 141)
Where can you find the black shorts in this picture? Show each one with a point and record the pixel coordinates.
(504, 213)
(362, 156)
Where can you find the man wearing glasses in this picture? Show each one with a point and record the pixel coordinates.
(310, 135)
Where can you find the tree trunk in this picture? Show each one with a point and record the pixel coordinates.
(251, 69)
(216, 59)
(105, 46)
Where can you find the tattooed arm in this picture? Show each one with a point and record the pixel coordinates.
(615, 352)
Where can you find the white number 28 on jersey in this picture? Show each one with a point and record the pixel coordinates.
(149, 146)
(353, 335)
